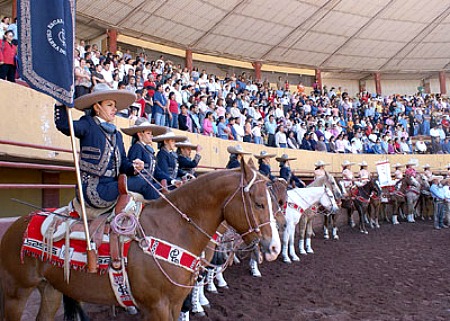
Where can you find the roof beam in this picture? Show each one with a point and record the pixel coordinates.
(419, 37)
(385, 7)
(331, 3)
(229, 13)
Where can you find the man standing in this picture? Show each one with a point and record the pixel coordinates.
(438, 194)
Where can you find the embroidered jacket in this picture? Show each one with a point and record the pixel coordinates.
(266, 171)
(146, 154)
(167, 166)
(187, 164)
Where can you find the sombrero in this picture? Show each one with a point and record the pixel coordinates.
(285, 157)
(168, 136)
(411, 163)
(347, 163)
(100, 92)
(363, 163)
(397, 165)
(237, 150)
(264, 154)
(141, 125)
(186, 143)
(426, 166)
(438, 177)
(320, 163)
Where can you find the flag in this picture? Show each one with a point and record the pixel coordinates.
(46, 46)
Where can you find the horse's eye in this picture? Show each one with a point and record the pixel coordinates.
(259, 205)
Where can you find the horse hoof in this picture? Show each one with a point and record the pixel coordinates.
(199, 314)
(208, 306)
(295, 259)
(310, 251)
(256, 275)
(287, 260)
(225, 287)
(336, 237)
(326, 237)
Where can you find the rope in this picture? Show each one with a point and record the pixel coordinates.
(125, 224)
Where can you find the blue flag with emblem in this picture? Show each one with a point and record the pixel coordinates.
(46, 46)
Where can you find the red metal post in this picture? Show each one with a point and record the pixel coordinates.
(112, 40)
(318, 74)
(189, 60)
(443, 82)
(377, 78)
(257, 67)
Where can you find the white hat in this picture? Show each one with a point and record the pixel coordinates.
(264, 154)
(363, 163)
(397, 165)
(438, 177)
(347, 163)
(141, 125)
(169, 136)
(237, 150)
(411, 162)
(101, 92)
(426, 166)
(321, 163)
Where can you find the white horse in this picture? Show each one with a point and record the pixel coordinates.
(300, 200)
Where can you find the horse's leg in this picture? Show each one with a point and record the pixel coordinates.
(326, 223)
(50, 302)
(292, 253)
(309, 232)
(302, 231)
(333, 224)
(362, 225)
(254, 261)
(285, 242)
(350, 209)
(410, 204)
(15, 299)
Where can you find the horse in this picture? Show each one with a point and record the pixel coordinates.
(361, 200)
(424, 206)
(300, 200)
(186, 217)
(411, 188)
(375, 207)
(306, 220)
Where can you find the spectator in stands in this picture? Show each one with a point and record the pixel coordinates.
(4, 24)
(208, 124)
(8, 52)
(173, 111)
(161, 106)
(13, 27)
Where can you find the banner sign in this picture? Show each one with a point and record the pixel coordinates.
(46, 46)
(384, 173)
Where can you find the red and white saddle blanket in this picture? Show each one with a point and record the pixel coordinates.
(34, 245)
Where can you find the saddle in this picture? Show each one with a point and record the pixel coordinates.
(66, 222)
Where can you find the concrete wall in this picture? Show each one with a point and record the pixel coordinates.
(27, 116)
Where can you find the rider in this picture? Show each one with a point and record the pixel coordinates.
(319, 170)
(411, 173)
(167, 160)
(141, 145)
(427, 173)
(448, 170)
(236, 154)
(102, 152)
(264, 164)
(286, 173)
(347, 177)
(398, 174)
(364, 174)
(184, 156)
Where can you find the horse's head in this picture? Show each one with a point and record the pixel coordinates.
(250, 212)
(332, 184)
(328, 201)
(278, 191)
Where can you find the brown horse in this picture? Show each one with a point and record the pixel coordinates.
(238, 196)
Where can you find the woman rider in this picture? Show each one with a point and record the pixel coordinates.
(167, 160)
(236, 155)
(141, 145)
(319, 170)
(264, 164)
(102, 153)
(185, 161)
(286, 174)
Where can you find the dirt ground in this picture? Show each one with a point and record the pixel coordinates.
(394, 273)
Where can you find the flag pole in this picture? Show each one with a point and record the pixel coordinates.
(91, 252)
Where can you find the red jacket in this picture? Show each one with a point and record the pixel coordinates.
(8, 51)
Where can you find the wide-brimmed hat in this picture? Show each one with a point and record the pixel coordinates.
(411, 163)
(168, 136)
(438, 177)
(363, 163)
(264, 154)
(237, 149)
(320, 163)
(426, 166)
(285, 157)
(100, 92)
(397, 165)
(347, 163)
(186, 143)
(142, 124)
(448, 166)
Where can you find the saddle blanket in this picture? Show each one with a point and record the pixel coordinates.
(34, 245)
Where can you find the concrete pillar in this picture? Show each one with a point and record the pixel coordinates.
(257, 68)
(188, 59)
(377, 78)
(14, 10)
(318, 74)
(112, 40)
(50, 196)
(443, 82)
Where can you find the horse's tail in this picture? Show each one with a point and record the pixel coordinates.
(73, 310)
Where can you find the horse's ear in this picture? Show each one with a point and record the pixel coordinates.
(246, 170)
(251, 163)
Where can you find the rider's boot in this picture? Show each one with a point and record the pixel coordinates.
(308, 247)
(254, 270)
(301, 246)
(395, 220)
(221, 283)
(211, 287)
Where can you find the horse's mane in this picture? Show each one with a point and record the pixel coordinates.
(318, 182)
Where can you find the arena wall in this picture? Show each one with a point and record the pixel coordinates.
(27, 117)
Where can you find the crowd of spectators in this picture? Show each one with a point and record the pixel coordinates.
(8, 49)
(240, 108)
